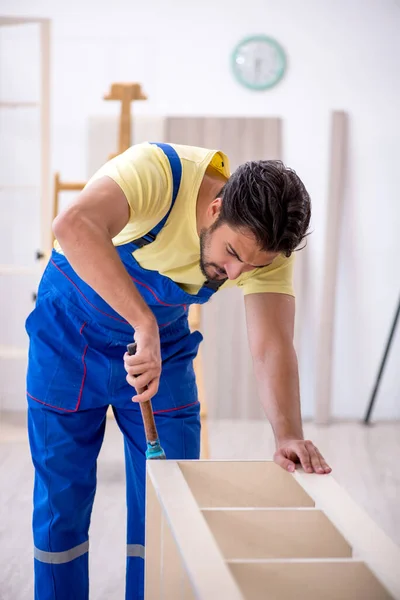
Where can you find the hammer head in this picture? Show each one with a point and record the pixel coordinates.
(154, 451)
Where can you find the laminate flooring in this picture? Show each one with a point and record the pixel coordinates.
(365, 461)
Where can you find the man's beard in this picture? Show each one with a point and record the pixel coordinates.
(210, 270)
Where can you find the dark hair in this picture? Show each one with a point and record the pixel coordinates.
(270, 200)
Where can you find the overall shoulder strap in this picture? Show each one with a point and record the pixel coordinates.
(176, 170)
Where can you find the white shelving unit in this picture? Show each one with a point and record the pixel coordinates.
(248, 530)
(25, 207)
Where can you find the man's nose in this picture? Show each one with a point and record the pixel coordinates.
(233, 270)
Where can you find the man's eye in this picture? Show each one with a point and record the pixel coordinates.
(233, 254)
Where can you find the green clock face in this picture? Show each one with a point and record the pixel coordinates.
(258, 62)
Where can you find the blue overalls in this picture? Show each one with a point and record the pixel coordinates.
(75, 371)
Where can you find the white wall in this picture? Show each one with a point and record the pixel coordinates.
(342, 55)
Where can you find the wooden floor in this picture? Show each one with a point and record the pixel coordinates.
(364, 460)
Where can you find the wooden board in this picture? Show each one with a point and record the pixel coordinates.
(326, 324)
(242, 483)
(249, 530)
(312, 580)
(207, 571)
(271, 533)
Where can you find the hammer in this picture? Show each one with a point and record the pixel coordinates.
(154, 450)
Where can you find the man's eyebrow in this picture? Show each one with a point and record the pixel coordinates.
(242, 261)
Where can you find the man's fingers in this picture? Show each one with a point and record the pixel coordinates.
(134, 359)
(307, 454)
(315, 459)
(284, 462)
(148, 393)
(141, 381)
(324, 464)
(138, 368)
(305, 459)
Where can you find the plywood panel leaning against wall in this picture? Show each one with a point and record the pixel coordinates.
(249, 530)
(225, 348)
(332, 237)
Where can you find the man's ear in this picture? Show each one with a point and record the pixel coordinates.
(214, 208)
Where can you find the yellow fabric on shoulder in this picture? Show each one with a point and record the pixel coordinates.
(277, 278)
(144, 174)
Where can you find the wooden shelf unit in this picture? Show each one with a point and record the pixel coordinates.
(247, 530)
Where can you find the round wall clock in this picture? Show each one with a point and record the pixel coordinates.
(258, 62)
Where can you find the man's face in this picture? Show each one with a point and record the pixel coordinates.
(227, 253)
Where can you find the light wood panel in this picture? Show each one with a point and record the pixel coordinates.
(153, 550)
(367, 539)
(172, 572)
(331, 551)
(324, 354)
(206, 569)
(243, 483)
(311, 580)
(263, 533)
(195, 324)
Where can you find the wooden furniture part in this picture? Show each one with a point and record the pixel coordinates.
(195, 323)
(248, 530)
(61, 186)
(126, 93)
(328, 300)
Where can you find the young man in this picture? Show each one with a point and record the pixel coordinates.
(156, 229)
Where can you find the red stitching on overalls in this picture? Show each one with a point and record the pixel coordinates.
(83, 295)
(106, 314)
(177, 408)
(165, 324)
(81, 388)
(156, 297)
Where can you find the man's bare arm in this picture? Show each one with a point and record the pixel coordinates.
(85, 231)
(270, 324)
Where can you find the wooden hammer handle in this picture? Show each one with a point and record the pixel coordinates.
(146, 408)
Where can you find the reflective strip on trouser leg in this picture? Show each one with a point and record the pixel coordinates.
(135, 550)
(59, 558)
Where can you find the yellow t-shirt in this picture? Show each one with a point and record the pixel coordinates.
(143, 173)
